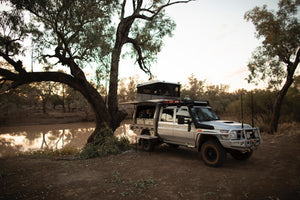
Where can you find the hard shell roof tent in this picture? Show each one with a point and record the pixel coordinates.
(158, 90)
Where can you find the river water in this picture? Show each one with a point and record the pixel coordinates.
(40, 137)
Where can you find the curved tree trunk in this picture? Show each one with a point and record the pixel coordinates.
(291, 68)
(277, 105)
(101, 113)
(83, 86)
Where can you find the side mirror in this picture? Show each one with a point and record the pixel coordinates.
(190, 125)
(180, 119)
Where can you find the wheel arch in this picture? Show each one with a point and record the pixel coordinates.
(145, 131)
(201, 138)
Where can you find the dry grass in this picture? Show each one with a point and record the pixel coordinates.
(288, 128)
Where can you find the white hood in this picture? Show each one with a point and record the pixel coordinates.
(225, 125)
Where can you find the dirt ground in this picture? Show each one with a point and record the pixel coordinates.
(272, 173)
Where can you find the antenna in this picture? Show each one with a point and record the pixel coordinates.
(31, 55)
(242, 110)
(252, 109)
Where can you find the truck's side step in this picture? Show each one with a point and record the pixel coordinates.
(146, 137)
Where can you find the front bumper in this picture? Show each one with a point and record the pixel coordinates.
(250, 139)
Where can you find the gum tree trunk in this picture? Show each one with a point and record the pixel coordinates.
(277, 105)
(291, 68)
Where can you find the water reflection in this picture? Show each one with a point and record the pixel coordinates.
(41, 137)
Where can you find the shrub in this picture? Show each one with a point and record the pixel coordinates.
(104, 144)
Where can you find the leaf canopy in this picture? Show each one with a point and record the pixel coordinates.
(79, 29)
(281, 39)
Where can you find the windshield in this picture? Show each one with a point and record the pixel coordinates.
(203, 114)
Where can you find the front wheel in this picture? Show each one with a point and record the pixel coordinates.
(238, 155)
(213, 154)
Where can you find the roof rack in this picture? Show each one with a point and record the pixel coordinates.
(186, 102)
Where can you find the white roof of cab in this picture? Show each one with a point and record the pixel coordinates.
(148, 101)
(154, 82)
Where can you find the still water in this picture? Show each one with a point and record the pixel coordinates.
(41, 137)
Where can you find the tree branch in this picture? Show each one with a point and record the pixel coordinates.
(31, 77)
(17, 65)
(297, 59)
(156, 12)
(123, 9)
(140, 58)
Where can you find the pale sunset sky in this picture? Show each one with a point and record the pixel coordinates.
(212, 40)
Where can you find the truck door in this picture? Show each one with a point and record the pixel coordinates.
(181, 133)
(166, 123)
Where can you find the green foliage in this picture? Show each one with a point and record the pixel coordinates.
(48, 153)
(279, 56)
(127, 91)
(217, 95)
(281, 40)
(195, 89)
(68, 26)
(23, 95)
(261, 101)
(104, 144)
(264, 67)
(12, 32)
(150, 34)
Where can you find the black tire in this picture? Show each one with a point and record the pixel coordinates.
(240, 155)
(213, 154)
(147, 145)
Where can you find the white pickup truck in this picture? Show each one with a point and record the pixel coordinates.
(192, 124)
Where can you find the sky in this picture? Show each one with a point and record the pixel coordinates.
(212, 40)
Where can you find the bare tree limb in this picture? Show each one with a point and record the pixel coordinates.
(158, 10)
(17, 65)
(8, 75)
(123, 9)
(140, 58)
(31, 77)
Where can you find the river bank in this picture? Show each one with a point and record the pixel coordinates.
(31, 117)
(272, 173)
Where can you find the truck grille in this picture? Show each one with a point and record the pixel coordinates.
(248, 134)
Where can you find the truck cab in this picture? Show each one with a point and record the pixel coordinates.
(192, 124)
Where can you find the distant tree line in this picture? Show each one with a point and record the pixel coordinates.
(43, 97)
(51, 96)
(257, 103)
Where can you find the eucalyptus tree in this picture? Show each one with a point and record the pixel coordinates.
(278, 57)
(142, 25)
(77, 33)
(64, 33)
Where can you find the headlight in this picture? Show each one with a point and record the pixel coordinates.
(230, 135)
(233, 135)
(256, 133)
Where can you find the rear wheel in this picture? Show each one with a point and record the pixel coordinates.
(213, 154)
(147, 145)
(238, 155)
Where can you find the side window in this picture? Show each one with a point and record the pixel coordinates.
(146, 112)
(183, 111)
(167, 115)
